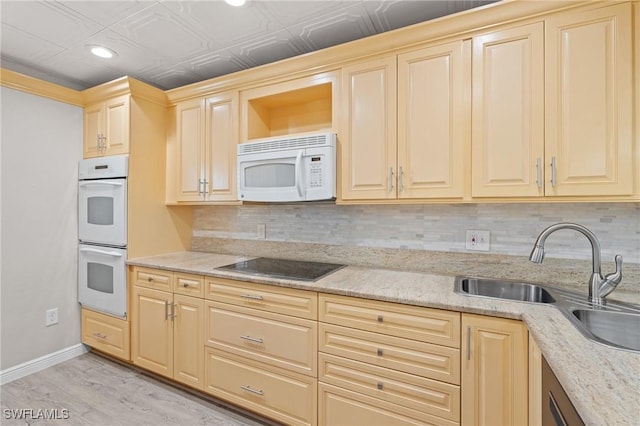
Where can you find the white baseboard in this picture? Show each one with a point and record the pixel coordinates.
(38, 364)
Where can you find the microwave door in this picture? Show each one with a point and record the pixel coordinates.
(272, 177)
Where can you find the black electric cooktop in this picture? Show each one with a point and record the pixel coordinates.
(283, 268)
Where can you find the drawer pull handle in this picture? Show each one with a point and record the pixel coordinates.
(252, 296)
(379, 352)
(252, 339)
(185, 285)
(380, 385)
(100, 336)
(149, 279)
(250, 389)
(380, 318)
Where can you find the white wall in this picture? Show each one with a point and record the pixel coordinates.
(41, 145)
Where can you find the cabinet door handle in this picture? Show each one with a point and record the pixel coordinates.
(380, 352)
(252, 296)
(380, 318)
(166, 310)
(468, 343)
(539, 172)
(400, 179)
(252, 339)
(553, 171)
(250, 389)
(100, 336)
(173, 311)
(390, 179)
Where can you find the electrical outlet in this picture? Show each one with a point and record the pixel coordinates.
(261, 231)
(477, 240)
(51, 317)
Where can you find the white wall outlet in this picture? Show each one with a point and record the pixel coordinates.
(261, 231)
(51, 317)
(477, 240)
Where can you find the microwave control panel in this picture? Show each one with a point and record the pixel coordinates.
(315, 171)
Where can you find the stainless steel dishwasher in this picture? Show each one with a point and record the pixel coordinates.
(557, 409)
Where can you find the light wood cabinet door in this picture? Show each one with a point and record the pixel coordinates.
(188, 340)
(508, 112)
(152, 330)
(494, 371)
(434, 109)
(279, 394)
(589, 103)
(341, 407)
(221, 141)
(190, 150)
(368, 129)
(106, 333)
(106, 127)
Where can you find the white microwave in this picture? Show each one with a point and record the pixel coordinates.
(284, 169)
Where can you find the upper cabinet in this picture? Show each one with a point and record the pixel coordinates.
(106, 127)
(589, 103)
(201, 164)
(405, 124)
(553, 107)
(508, 112)
(306, 104)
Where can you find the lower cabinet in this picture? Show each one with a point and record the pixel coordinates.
(168, 333)
(276, 393)
(303, 358)
(494, 371)
(106, 334)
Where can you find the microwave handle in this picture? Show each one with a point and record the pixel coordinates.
(298, 171)
(97, 182)
(108, 253)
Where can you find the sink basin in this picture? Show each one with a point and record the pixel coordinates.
(500, 289)
(619, 329)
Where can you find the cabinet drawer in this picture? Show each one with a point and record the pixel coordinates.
(188, 284)
(152, 278)
(287, 301)
(411, 322)
(281, 395)
(410, 356)
(277, 340)
(105, 333)
(339, 407)
(426, 395)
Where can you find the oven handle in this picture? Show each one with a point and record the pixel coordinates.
(98, 182)
(108, 253)
(298, 171)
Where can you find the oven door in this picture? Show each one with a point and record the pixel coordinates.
(102, 211)
(102, 279)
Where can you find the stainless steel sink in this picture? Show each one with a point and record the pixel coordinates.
(618, 329)
(502, 289)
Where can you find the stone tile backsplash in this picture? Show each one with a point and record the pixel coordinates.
(439, 227)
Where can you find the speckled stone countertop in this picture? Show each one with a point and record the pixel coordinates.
(603, 383)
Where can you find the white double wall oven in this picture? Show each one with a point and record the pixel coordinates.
(102, 234)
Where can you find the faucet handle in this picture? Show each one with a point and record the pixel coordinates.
(612, 280)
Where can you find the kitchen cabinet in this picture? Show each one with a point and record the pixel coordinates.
(168, 328)
(508, 112)
(406, 128)
(106, 334)
(381, 360)
(589, 142)
(106, 127)
(262, 348)
(552, 107)
(494, 371)
(202, 152)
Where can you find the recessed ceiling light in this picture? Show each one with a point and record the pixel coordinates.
(103, 52)
(235, 2)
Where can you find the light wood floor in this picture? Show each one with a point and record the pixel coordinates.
(99, 392)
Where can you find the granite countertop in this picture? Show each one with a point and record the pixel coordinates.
(603, 383)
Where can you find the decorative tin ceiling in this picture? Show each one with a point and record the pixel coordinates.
(172, 43)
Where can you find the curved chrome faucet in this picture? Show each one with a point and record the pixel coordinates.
(599, 287)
